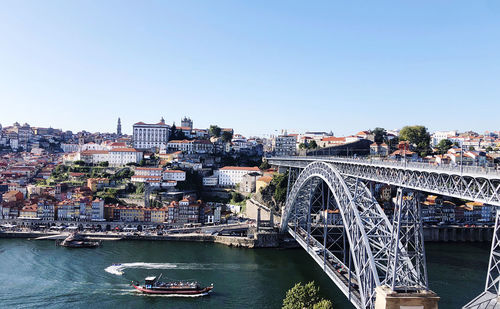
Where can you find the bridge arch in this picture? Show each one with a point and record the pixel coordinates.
(367, 229)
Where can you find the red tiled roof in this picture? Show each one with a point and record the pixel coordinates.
(148, 169)
(241, 168)
(91, 152)
(124, 150)
(333, 139)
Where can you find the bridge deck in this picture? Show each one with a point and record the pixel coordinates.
(475, 183)
(485, 300)
(331, 265)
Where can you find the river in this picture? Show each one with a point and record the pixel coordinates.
(37, 274)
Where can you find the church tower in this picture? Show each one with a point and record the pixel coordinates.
(119, 127)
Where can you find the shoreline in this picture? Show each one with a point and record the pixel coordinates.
(261, 240)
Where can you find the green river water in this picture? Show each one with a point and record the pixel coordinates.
(37, 274)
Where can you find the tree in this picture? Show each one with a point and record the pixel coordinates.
(489, 148)
(471, 148)
(280, 183)
(380, 135)
(312, 145)
(139, 188)
(104, 164)
(214, 131)
(418, 136)
(227, 136)
(176, 134)
(79, 162)
(305, 296)
(236, 197)
(323, 304)
(302, 146)
(265, 165)
(444, 145)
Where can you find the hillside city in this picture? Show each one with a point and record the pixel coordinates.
(181, 176)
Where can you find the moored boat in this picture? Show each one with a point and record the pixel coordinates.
(153, 285)
(78, 241)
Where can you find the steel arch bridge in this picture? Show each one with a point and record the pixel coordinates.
(362, 250)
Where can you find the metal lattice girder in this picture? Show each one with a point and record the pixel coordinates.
(493, 278)
(489, 299)
(471, 183)
(368, 231)
(407, 232)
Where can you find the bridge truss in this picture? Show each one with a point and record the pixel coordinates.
(338, 222)
(406, 250)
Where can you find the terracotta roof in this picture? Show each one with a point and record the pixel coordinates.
(124, 150)
(146, 176)
(91, 152)
(265, 179)
(333, 139)
(148, 168)
(241, 168)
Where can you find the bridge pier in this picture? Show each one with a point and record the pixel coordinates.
(388, 299)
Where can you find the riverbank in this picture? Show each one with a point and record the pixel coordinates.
(259, 240)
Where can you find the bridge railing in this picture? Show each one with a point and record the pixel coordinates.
(383, 162)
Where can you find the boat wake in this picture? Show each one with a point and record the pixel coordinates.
(118, 269)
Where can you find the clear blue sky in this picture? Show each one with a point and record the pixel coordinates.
(256, 66)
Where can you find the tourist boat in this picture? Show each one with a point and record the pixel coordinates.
(153, 285)
(78, 241)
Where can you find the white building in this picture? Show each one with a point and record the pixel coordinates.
(191, 146)
(147, 136)
(148, 171)
(70, 147)
(285, 145)
(123, 156)
(97, 210)
(438, 136)
(176, 175)
(210, 181)
(230, 176)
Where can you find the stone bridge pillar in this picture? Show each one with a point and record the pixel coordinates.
(388, 299)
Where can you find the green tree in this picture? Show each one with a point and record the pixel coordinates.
(305, 296)
(227, 136)
(471, 148)
(380, 135)
(312, 145)
(280, 183)
(489, 148)
(214, 131)
(302, 146)
(323, 304)
(104, 164)
(79, 162)
(444, 145)
(176, 134)
(139, 188)
(418, 136)
(236, 197)
(264, 165)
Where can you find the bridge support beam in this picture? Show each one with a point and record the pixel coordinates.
(407, 243)
(388, 299)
